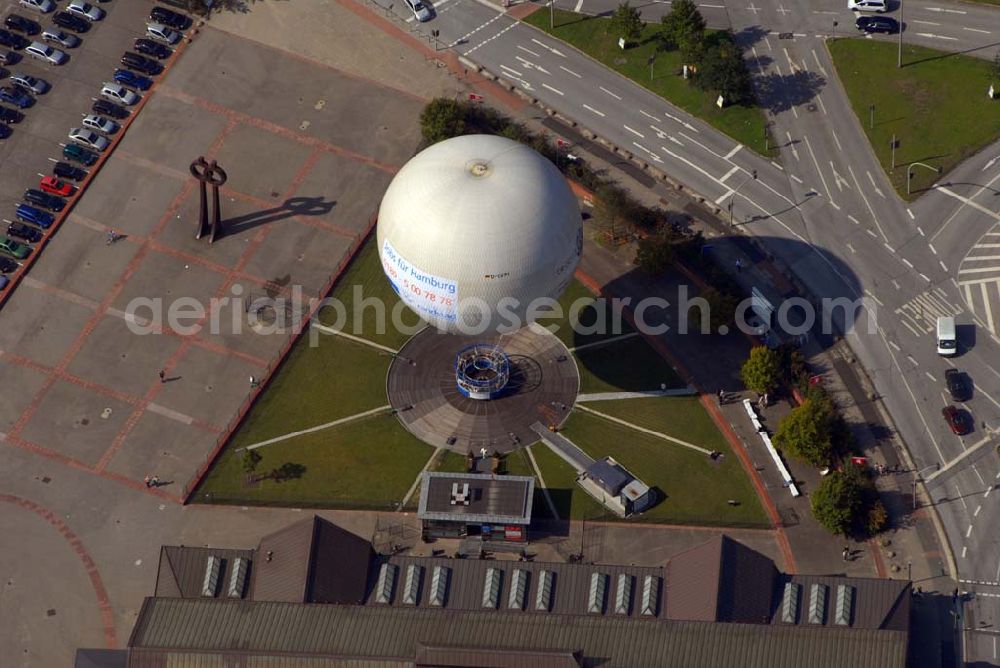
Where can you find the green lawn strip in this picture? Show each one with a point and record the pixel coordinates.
(316, 384)
(596, 38)
(629, 365)
(582, 319)
(370, 463)
(697, 489)
(364, 284)
(936, 106)
(570, 500)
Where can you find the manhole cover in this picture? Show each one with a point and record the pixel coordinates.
(106, 413)
(320, 104)
(303, 125)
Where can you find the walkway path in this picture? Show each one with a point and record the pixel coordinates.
(644, 430)
(612, 396)
(356, 339)
(293, 434)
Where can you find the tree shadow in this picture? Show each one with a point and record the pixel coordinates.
(778, 93)
(750, 36)
(294, 206)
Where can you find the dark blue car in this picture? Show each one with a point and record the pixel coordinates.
(132, 80)
(34, 215)
(16, 97)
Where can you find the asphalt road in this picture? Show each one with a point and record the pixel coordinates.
(830, 214)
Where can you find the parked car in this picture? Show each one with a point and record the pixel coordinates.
(71, 22)
(118, 93)
(47, 53)
(64, 170)
(163, 33)
(7, 265)
(22, 24)
(12, 41)
(89, 138)
(958, 386)
(61, 37)
(9, 57)
(85, 10)
(30, 83)
(873, 24)
(151, 48)
(14, 248)
(5, 131)
(867, 6)
(958, 420)
(101, 124)
(141, 63)
(132, 80)
(16, 97)
(34, 215)
(54, 186)
(10, 116)
(43, 6)
(79, 154)
(420, 11)
(25, 232)
(35, 196)
(169, 18)
(108, 108)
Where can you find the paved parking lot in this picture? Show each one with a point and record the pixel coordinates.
(308, 151)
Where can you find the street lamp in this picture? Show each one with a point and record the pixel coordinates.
(917, 477)
(752, 177)
(909, 172)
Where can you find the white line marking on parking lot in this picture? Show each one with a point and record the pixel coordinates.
(871, 233)
(796, 179)
(943, 265)
(978, 508)
(968, 532)
(566, 69)
(931, 376)
(933, 250)
(963, 551)
(554, 90)
(853, 219)
(589, 108)
(617, 97)
(888, 247)
(907, 262)
(913, 360)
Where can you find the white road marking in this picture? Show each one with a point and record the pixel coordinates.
(943, 265)
(549, 48)
(926, 278)
(969, 531)
(921, 230)
(819, 64)
(872, 179)
(933, 250)
(932, 36)
(617, 97)
(796, 179)
(649, 115)
(963, 547)
(910, 213)
(871, 233)
(822, 178)
(566, 69)
(851, 248)
(635, 132)
(984, 32)
(989, 164)
(913, 360)
(867, 203)
(978, 508)
(729, 173)
(926, 23)
(895, 346)
(511, 70)
(986, 303)
(579, 6)
(524, 48)
(653, 155)
(722, 198)
(734, 151)
(838, 179)
(853, 219)
(554, 90)
(589, 108)
(948, 11)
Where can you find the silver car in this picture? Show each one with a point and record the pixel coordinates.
(89, 138)
(46, 53)
(60, 37)
(118, 93)
(43, 6)
(85, 10)
(28, 82)
(163, 33)
(420, 11)
(101, 124)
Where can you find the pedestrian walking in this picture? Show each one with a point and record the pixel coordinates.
(148, 480)
(163, 375)
(722, 397)
(739, 265)
(154, 481)
(253, 382)
(847, 552)
(111, 238)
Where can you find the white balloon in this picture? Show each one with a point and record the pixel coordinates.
(473, 229)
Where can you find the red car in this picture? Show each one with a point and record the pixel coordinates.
(958, 420)
(54, 186)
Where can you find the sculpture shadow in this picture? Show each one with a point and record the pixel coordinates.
(293, 206)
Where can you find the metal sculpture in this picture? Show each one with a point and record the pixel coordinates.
(209, 173)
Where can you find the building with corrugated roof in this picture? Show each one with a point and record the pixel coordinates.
(325, 598)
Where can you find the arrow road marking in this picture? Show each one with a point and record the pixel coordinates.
(870, 178)
(990, 163)
(838, 179)
(794, 150)
(546, 46)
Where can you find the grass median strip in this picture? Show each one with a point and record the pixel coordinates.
(935, 106)
(595, 37)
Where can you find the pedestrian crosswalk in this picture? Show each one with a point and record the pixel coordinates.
(920, 314)
(979, 279)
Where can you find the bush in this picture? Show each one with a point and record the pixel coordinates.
(442, 119)
(805, 432)
(250, 460)
(762, 370)
(627, 20)
(846, 503)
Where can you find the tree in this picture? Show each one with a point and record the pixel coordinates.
(201, 6)
(627, 21)
(683, 28)
(762, 370)
(721, 308)
(839, 501)
(611, 206)
(723, 70)
(250, 460)
(805, 432)
(654, 254)
(442, 119)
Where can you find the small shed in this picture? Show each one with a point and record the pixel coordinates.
(456, 505)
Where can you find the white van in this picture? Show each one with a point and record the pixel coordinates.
(867, 6)
(947, 344)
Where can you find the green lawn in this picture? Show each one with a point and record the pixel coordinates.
(594, 36)
(936, 105)
(602, 368)
(560, 479)
(697, 489)
(370, 463)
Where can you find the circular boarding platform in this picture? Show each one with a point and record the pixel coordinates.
(542, 387)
